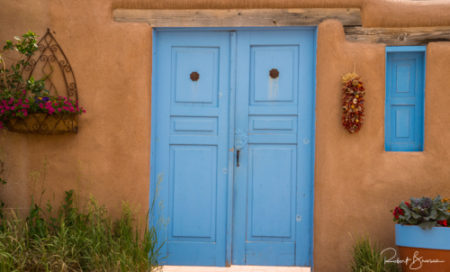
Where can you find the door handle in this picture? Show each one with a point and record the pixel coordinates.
(240, 141)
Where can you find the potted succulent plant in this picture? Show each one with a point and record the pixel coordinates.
(25, 104)
(422, 234)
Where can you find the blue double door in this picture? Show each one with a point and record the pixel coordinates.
(232, 158)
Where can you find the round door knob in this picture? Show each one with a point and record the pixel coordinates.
(194, 76)
(274, 73)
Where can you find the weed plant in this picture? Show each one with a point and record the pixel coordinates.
(367, 257)
(72, 240)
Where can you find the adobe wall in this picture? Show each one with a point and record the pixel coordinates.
(356, 182)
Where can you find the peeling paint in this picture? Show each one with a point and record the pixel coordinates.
(272, 88)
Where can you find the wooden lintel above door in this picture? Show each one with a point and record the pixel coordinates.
(237, 17)
(398, 36)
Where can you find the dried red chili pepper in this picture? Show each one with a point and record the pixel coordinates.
(352, 102)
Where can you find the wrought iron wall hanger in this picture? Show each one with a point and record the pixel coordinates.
(51, 64)
(41, 64)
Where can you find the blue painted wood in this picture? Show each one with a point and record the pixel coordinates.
(404, 49)
(191, 145)
(271, 198)
(414, 236)
(231, 149)
(405, 81)
(272, 216)
(194, 125)
(210, 211)
(313, 155)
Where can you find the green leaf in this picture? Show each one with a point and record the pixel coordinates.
(427, 225)
(433, 214)
(8, 46)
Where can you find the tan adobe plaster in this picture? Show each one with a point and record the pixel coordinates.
(405, 13)
(356, 181)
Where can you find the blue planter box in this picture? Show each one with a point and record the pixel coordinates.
(414, 236)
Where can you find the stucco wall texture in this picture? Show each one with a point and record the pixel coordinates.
(356, 181)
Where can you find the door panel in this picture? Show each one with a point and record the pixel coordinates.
(271, 191)
(193, 195)
(204, 61)
(191, 145)
(265, 89)
(266, 216)
(274, 113)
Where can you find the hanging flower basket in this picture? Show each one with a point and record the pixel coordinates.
(39, 106)
(40, 114)
(44, 123)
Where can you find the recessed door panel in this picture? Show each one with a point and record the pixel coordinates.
(193, 169)
(273, 73)
(405, 74)
(271, 195)
(403, 125)
(190, 65)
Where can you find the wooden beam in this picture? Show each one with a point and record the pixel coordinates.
(237, 17)
(349, 17)
(398, 36)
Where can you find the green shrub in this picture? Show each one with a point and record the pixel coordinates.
(367, 257)
(73, 240)
(2, 204)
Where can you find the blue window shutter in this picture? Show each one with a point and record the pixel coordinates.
(404, 110)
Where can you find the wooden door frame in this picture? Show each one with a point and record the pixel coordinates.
(153, 155)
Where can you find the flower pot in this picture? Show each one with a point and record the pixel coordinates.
(423, 250)
(43, 123)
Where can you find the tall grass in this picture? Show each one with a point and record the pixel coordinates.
(367, 257)
(2, 182)
(73, 240)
